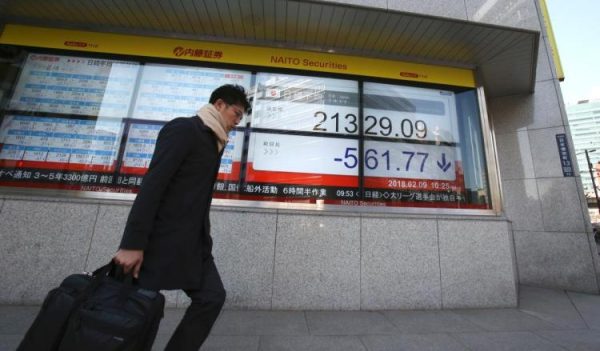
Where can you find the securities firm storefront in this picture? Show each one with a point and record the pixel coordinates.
(374, 170)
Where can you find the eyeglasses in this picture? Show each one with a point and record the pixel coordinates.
(238, 111)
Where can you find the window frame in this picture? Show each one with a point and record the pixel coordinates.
(489, 152)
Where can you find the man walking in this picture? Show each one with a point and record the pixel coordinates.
(166, 242)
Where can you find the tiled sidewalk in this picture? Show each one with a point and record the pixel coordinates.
(545, 320)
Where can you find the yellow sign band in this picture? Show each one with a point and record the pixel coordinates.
(552, 40)
(232, 53)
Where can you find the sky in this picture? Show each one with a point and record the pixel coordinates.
(576, 25)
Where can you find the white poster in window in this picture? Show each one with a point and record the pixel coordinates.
(75, 85)
(61, 143)
(301, 103)
(167, 91)
(304, 154)
(409, 113)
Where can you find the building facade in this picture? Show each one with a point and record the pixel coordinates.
(399, 154)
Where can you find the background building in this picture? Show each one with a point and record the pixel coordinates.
(400, 154)
(584, 121)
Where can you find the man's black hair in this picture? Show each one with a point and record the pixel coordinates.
(232, 94)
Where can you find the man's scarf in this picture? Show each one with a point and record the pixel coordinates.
(213, 120)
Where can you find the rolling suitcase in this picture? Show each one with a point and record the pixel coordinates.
(104, 311)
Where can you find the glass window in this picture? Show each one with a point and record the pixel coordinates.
(418, 143)
(303, 144)
(90, 124)
(64, 124)
(169, 91)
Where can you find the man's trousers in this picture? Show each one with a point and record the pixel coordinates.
(202, 313)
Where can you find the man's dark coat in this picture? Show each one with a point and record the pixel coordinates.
(169, 218)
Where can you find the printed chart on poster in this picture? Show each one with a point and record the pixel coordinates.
(75, 86)
(60, 143)
(232, 156)
(141, 141)
(167, 91)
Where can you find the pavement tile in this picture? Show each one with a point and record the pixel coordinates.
(260, 323)
(552, 306)
(230, 343)
(215, 343)
(9, 342)
(170, 320)
(546, 320)
(505, 320)
(311, 343)
(574, 340)
(161, 341)
(506, 341)
(412, 342)
(17, 319)
(421, 322)
(348, 323)
(589, 307)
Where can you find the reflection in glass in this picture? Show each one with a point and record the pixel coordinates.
(169, 91)
(90, 124)
(422, 148)
(303, 143)
(75, 86)
(301, 103)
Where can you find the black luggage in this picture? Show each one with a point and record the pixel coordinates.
(104, 311)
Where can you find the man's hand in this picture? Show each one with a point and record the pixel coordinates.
(130, 260)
